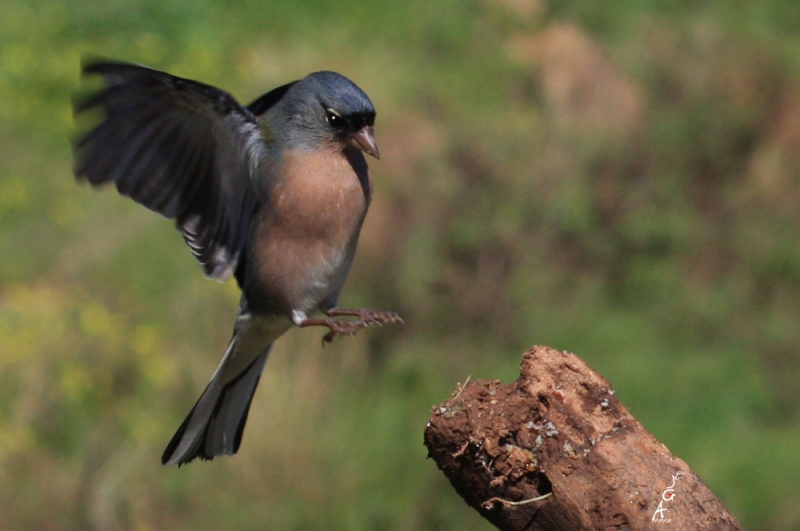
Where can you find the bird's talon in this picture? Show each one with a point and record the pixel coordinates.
(343, 327)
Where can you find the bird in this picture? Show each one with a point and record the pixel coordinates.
(273, 193)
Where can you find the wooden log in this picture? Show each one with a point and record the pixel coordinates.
(559, 430)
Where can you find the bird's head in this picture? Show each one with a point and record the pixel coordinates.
(326, 108)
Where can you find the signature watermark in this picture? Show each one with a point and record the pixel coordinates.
(667, 496)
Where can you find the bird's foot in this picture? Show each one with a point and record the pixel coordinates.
(366, 315)
(343, 327)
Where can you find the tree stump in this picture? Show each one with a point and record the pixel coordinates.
(559, 430)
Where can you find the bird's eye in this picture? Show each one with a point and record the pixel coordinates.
(333, 117)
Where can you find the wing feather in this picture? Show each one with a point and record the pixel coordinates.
(183, 149)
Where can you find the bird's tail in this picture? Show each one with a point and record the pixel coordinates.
(216, 423)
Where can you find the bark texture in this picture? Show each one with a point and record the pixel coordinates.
(560, 429)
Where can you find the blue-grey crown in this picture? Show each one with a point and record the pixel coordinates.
(336, 91)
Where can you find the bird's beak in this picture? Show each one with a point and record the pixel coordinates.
(364, 139)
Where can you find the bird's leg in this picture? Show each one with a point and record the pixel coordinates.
(369, 316)
(344, 327)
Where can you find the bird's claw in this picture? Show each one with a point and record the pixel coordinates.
(364, 319)
(365, 315)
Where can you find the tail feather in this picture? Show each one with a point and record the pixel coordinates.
(216, 423)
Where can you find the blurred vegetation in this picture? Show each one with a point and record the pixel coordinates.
(615, 178)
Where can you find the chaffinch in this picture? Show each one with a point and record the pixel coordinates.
(274, 193)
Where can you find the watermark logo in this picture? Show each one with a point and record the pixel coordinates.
(667, 496)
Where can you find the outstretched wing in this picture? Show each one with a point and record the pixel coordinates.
(180, 148)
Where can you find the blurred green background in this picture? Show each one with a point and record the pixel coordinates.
(613, 177)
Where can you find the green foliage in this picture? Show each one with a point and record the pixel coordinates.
(619, 179)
